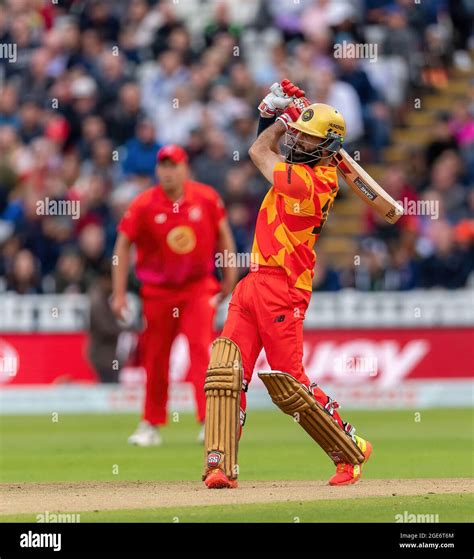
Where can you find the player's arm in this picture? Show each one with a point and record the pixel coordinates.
(279, 104)
(264, 152)
(121, 262)
(225, 242)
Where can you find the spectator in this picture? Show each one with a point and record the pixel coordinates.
(161, 80)
(8, 106)
(221, 25)
(400, 39)
(111, 76)
(242, 133)
(92, 128)
(30, 125)
(92, 248)
(84, 104)
(446, 266)
(369, 272)
(69, 273)
(70, 112)
(462, 124)
(224, 107)
(104, 329)
(99, 17)
(324, 88)
(103, 162)
(325, 277)
(183, 110)
(37, 81)
(212, 165)
(402, 270)
(140, 152)
(442, 139)
(446, 188)
(24, 277)
(375, 113)
(123, 117)
(168, 22)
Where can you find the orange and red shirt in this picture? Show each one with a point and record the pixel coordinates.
(290, 220)
(175, 241)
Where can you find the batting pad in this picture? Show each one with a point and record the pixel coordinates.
(294, 399)
(223, 386)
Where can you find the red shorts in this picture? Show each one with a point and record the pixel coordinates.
(265, 311)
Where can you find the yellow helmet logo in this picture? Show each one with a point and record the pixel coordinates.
(320, 120)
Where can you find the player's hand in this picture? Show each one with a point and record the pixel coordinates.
(298, 102)
(275, 102)
(293, 111)
(119, 306)
(291, 90)
(227, 286)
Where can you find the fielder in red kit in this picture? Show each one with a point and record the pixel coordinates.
(268, 306)
(176, 226)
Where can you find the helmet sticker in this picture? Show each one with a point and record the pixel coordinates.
(336, 126)
(307, 115)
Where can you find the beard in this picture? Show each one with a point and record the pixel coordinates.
(295, 155)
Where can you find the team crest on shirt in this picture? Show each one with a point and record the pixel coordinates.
(181, 239)
(160, 218)
(195, 213)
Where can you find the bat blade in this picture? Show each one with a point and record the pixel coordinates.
(367, 188)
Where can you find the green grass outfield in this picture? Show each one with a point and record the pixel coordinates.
(433, 444)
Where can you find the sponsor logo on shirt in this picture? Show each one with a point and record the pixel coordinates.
(195, 213)
(181, 239)
(160, 218)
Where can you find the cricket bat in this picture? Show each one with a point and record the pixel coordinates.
(367, 188)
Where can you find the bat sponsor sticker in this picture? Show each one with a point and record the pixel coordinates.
(214, 459)
(365, 189)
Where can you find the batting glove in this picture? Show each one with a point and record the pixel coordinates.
(291, 90)
(293, 111)
(275, 102)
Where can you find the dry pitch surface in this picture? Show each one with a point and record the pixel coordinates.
(97, 496)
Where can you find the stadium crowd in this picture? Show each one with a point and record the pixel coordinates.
(94, 88)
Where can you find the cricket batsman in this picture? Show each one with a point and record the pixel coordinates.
(176, 226)
(268, 306)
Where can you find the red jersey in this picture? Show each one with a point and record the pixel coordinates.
(175, 241)
(291, 218)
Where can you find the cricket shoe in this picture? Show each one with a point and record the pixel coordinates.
(216, 479)
(347, 474)
(145, 435)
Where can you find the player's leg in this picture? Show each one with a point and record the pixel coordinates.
(241, 327)
(230, 369)
(161, 326)
(282, 321)
(281, 315)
